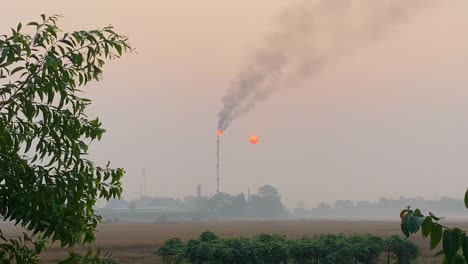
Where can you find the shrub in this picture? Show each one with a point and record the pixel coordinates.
(366, 249)
(199, 252)
(271, 249)
(172, 251)
(303, 251)
(404, 250)
(208, 236)
(276, 249)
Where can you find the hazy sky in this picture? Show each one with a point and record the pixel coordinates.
(390, 120)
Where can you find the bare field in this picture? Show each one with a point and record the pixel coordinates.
(137, 242)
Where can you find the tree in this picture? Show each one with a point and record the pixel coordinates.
(454, 240)
(268, 191)
(47, 184)
(132, 206)
(267, 203)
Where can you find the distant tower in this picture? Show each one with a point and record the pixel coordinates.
(217, 161)
(199, 191)
(248, 194)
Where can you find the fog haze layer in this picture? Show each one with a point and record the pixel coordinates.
(389, 120)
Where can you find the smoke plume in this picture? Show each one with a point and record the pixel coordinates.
(311, 35)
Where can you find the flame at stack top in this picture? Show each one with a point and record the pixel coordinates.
(219, 132)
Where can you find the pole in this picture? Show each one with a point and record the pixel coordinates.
(217, 165)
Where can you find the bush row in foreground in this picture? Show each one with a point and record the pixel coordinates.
(276, 249)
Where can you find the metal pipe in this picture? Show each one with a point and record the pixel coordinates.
(217, 165)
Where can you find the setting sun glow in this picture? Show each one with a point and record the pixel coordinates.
(254, 139)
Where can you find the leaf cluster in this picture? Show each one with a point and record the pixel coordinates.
(89, 257)
(22, 250)
(454, 240)
(47, 184)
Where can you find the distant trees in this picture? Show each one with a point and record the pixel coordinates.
(199, 191)
(383, 208)
(269, 192)
(265, 204)
(132, 207)
(47, 183)
(117, 203)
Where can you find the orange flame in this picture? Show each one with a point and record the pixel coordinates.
(220, 132)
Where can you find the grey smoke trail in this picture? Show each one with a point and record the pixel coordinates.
(310, 36)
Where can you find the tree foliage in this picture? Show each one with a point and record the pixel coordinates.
(47, 184)
(454, 240)
(22, 250)
(89, 258)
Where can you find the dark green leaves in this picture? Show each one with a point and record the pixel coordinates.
(415, 222)
(15, 70)
(452, 242)
(20, 250)
(426, 226)
(411, 221)
(44, 131)
(276, 249)
(33, 24)
(436, 235)
(89, 258)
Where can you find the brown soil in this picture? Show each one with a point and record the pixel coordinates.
(137, 242)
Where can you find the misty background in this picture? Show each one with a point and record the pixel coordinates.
(389, 120)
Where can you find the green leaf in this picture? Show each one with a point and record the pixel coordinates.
(33, 24)
(414, 223)
(436, 235)
(426, 226)
(119, 49)
(17, 69)
(404, 225)
(417, 212)
(451, 243)
(67, 42)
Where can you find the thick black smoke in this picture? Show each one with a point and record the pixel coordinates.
(310, 36)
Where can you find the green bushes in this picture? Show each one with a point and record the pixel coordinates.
(276, 249)
(404, 250)
(173, 251)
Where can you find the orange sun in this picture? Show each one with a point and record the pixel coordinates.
(254, 139)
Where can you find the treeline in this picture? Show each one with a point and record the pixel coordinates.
(266, 203)
(383, 208)
(276, 249)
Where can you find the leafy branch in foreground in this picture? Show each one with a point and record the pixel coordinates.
(47, 185)
(22, 250)
(89, 258)
(454, 240)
